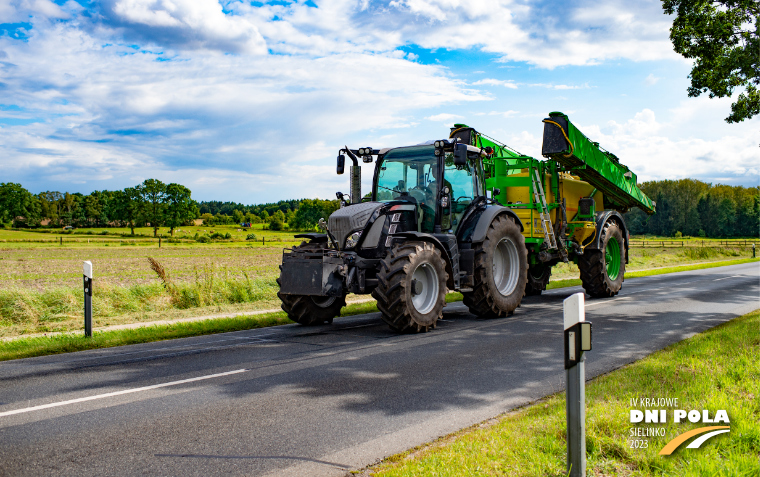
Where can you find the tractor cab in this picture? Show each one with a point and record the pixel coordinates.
(429, 178)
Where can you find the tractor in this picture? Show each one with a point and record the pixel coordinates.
(468, 214)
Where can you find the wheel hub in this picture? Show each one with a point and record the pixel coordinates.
(506, 266)
(424, 288)
(612, 258)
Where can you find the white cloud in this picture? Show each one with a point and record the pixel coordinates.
(189, 23)
(505, 114)
(651, 80)
(560, 86)
(443, 117)
(494, 82)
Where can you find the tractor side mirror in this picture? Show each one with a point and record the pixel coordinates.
(341, 163)
(460, 155)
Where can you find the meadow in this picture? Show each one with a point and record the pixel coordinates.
(41, 278)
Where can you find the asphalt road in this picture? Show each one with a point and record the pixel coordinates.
(302, 401)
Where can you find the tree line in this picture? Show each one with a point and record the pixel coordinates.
(687, 207)
(152, 202)
(694, 208)
(301, 214)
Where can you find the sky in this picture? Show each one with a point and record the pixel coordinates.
(250, 101)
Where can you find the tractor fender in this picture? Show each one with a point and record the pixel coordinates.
(488, 216)
(423, 237)
(610, 216)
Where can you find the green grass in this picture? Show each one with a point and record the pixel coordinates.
(66, 343)
(718, 369)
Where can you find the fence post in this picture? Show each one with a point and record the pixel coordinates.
(159, 241)
(87, 277)
(753, 250)
(577, 338)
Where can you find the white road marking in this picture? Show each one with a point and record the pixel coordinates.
(726, 278)
(118, 393)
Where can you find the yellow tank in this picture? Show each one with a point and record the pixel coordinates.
(570, 187)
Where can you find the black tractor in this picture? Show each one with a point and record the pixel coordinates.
(426, 227)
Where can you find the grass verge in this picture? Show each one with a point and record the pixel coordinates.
(45, 345)
(572, 282)
(532, 441)
(66, 343)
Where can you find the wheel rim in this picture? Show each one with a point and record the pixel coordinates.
(427, 280)
(612, 258)
(506, 266)
(323, 301)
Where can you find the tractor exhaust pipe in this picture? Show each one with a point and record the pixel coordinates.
(356, 178)
(356, 184)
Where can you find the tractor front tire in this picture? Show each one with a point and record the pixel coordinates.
(411, 290)
(538, 278)
(501, 271)
(602, 270)
(311, 310)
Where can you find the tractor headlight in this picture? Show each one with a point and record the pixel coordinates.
(353, 239)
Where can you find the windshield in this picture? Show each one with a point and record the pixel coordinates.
(408, 170)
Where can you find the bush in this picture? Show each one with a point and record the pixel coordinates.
(250, 237)
(104, 232)
(203, 239)
(276, 224)
(678, 234)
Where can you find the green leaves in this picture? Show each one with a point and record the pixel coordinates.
(722, 37)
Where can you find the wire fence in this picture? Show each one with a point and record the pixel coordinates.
(692, 243)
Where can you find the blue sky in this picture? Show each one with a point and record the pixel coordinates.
(250, 101)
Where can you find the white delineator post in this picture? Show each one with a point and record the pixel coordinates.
(574, 311)
(87, 280)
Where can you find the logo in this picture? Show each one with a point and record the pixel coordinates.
(673, 444)
(660, 412)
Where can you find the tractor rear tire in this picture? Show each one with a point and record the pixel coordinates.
(538, 278)
(501, 271)
(602, 270)
(311, 310)
(411, 290)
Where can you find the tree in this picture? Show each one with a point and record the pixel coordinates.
(718, 34)
(50, 202)
(92, 208)
(238, 216)
(308, 214)
(153, 193)
(180, 208)
(127, 205)
(18, 205)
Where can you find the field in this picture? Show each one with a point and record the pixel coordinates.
(41, 280)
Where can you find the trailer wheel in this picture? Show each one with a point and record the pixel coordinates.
(311, 310)
(501, 271)
(602, 271)
(538, 278)
(411, 290)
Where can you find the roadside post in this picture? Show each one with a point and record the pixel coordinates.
(87, 272)
(577, 340)
(753, 250)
